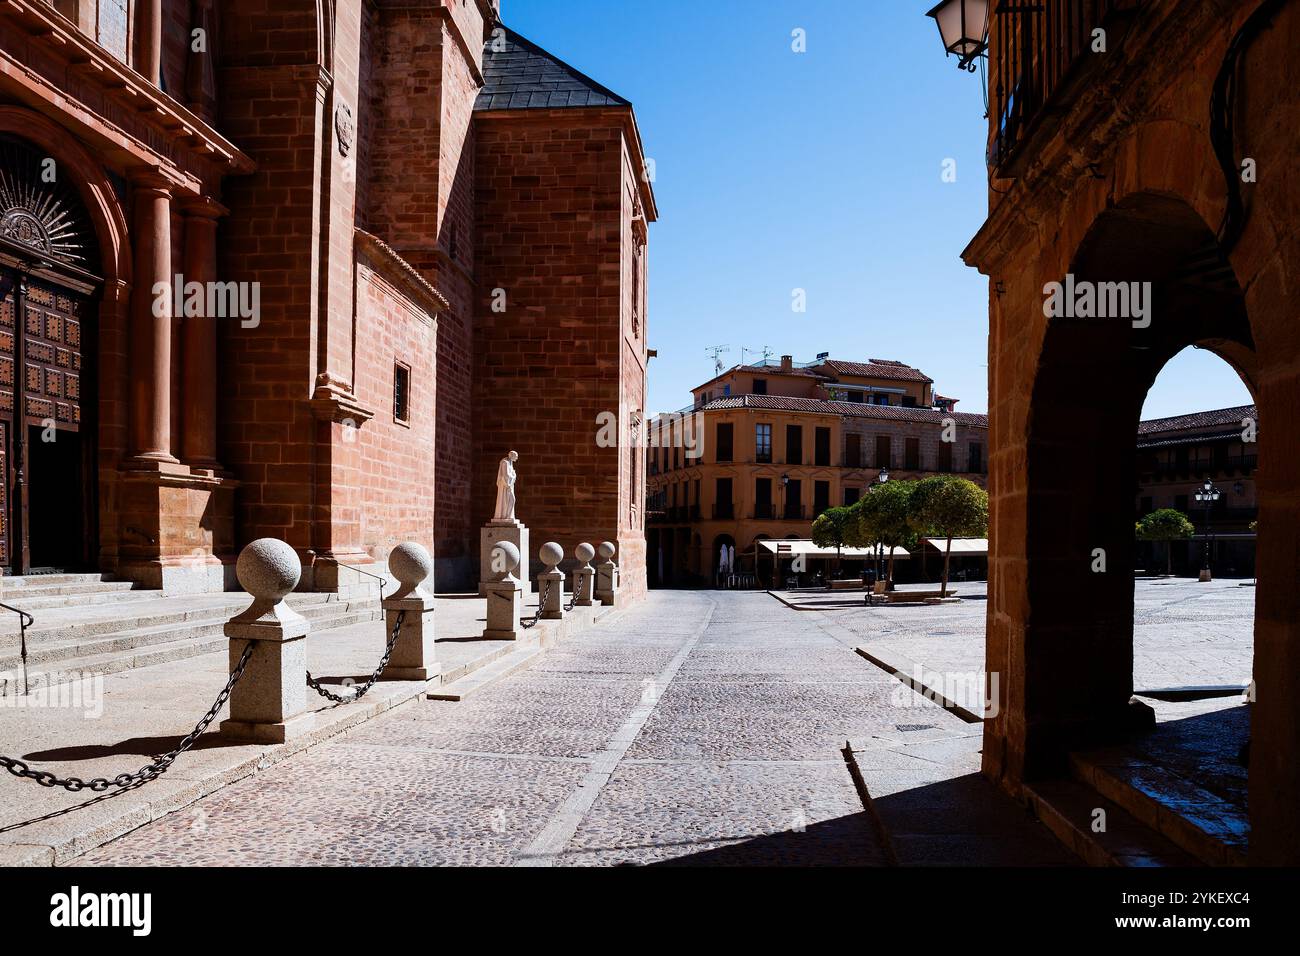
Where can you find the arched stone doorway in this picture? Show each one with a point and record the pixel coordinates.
(50, 286)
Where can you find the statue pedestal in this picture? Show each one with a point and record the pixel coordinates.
(516, 532)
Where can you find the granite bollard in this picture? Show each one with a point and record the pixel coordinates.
(551, 581)
(415, 654)
(584, 576)
(607, 575)
(504, 596)
(269, 703)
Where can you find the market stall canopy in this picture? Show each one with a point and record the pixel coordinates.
(810, 550)
(962, 547)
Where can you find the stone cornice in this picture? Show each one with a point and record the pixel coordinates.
(402, 272)
(119, 82)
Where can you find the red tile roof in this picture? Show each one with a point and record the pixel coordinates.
(877, 368)
(1209, 419)
(816, 406)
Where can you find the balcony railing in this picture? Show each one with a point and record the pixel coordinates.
(764, 512)
(1037, 44)
(724, 511)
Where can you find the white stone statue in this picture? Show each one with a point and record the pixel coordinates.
(505, 511)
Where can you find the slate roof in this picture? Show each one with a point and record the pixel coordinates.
(1214, 418)
(903, 413)
(522, 76)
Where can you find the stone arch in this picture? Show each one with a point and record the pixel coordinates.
(1074, 660)
(86, 174)
(90, 181)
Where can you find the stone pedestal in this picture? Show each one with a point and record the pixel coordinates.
(494, 532)
(584, 577)
(415, 654)
(551, 582)
(269, 703)
(607, 575)
(504, 597)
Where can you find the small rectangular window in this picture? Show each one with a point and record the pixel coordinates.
(401, 393)
(760, 386)
(763, 443)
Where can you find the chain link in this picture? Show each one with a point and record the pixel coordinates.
(362, 689)
(573, 597)
(541, 606)
(151, 771)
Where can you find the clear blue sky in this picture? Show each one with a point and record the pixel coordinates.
(818, 171)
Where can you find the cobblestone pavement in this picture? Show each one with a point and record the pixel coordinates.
(697, 728)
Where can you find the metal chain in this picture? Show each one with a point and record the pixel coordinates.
(151, 771)
(573, 596)
(541, 606)
(362, 689)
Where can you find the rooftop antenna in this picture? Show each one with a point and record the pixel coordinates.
(717, 352)
(767, 353)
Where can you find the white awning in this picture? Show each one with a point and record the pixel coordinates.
(964, 547)
(805, 547)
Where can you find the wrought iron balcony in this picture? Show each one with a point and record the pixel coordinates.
(724, 511)
(1037, 47)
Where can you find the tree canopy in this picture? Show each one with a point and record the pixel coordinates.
(1167, 524)
(945, 506)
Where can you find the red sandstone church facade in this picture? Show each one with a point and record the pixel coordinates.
(408, 241)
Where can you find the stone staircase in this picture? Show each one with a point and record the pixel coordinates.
(87, 623)
(1154, 816)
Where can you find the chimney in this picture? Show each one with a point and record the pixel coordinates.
(787, 363)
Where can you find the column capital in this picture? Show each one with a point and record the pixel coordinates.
(153, 179)
(202, 207)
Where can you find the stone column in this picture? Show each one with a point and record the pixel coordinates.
(504, 597)
(199, 341)
(494, 532)
(414, 654)
(269, 703)
(149, 31)
(584, 576)
(151, 321)
(607, 575)
(551, 582)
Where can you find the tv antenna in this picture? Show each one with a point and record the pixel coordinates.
(716, 352)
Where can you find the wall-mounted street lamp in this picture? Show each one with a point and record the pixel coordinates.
(1207, 495)
(883, 476)
(963, 27)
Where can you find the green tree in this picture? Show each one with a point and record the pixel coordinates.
(833, 528)
(884, 516)
(1168, 525)
(946, 506)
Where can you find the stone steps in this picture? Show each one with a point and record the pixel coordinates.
(1068, 808)
(1208, 827)
(23, 581)
(128, 639)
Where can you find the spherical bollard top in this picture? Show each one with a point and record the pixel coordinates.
(268, 569)
(505, 556)
(607, 550)
(551, 555)
(410, 563)
(584, 552)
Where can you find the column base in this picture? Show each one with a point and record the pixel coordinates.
(428, 672)
(494, 635)
(277, 733)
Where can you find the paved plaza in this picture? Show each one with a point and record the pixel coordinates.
(697, 728)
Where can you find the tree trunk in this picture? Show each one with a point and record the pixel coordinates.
(947, 555)
(890, 576)
(1169, 558)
